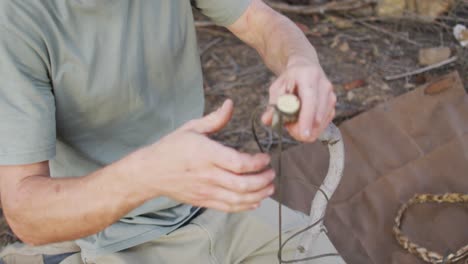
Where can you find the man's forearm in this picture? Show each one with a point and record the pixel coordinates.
(284, 45)
(45, 210)
(185, 165)
(288, 53)
(275, 37)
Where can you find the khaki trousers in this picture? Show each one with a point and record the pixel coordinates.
(213, 237)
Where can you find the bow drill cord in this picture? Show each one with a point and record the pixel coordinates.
(280, 198)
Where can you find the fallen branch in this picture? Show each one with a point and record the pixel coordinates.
(209, 45)
(216, 31)
(333, 6)
(386, 32)
(204, 24)
(409, 18)
(348, 112)
(418, 71)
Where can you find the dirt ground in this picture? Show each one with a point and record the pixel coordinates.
(233, 70)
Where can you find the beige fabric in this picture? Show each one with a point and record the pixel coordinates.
(417, 143)
(19, 253)
(213, 238)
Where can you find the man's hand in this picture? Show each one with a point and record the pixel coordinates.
(289, 54)
(185, 165)
(189, 167)
(306, 79)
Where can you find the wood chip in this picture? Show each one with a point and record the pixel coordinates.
(430, 56)
(354, 84)
(425, 9)
(344, 47)
(439, 86)
(339, 22)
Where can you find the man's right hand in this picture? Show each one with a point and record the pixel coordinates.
(189, 167)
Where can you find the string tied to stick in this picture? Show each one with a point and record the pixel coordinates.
(286, 111)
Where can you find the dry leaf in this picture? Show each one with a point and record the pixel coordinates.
(429, 9)
(431, 56)
(354, 84)
(439, 86)
(344, 47)
(350, 96)
(391, 8)
(426, 9)
(340, 23)
(336, 41)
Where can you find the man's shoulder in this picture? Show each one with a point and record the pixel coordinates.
(27, 21)
(24, 15)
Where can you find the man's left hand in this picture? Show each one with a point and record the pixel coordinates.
(306, 79)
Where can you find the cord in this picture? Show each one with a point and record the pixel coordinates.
(282, 244)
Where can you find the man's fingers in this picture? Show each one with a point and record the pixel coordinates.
(228, 201)
(225, 207)
(331, 113)
(212, 122)
(330, 117)
(277, 88)
(242, 183)
(308, 111)
(231, 160)
(323, 102)
(239, 199)
(324, 106)
(267, 116)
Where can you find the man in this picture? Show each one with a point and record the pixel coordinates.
(101, 140)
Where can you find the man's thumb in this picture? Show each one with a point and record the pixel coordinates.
(214, 121)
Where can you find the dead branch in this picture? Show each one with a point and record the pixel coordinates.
(386, 32)
(209, 45)
(216, 31)
(204, 24)
(410, 18)
(353, 38)
(418, 71)
(333, 6)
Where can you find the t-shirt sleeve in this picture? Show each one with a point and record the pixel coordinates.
(223, 12)
(27, 106)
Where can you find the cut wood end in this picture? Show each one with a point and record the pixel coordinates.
(288, 104)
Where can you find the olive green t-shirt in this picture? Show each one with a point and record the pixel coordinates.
(85, 82)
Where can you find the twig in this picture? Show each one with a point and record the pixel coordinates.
(216, 31)
(418, 71)
(204, 24)
(347, 111)
(410, 17)
(228, 86)
(209, 45)
(232, 61)
(353, 38)
(252, 69)
(333, 6)
(386, 32)
(456, 19)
